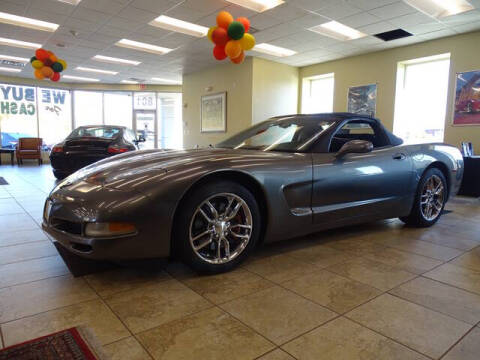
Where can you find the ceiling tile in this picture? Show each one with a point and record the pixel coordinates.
(337, 11)
(361, 19)
(286, 12)
(53, 6)
(412, 19)
(369, 4)
(157, 6)
(90, 15)
(135, 14)
(377, 28)
(391, 11)
(106, 6)
(263, 21)
(12, 7)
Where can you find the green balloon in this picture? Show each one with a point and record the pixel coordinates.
(33, 58)
(57, 67)
(236, 30)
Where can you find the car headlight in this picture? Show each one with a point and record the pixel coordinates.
(109, 229)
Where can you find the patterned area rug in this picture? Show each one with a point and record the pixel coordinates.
(3, 181)
(71, 344)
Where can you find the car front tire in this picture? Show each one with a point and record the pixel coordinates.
(217, 227)
(430, 199)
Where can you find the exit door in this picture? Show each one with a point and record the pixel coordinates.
(146, 126)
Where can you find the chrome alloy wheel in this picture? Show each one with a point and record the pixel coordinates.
(432, 199)
(220, 228)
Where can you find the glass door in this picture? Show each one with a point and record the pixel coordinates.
(145, 125)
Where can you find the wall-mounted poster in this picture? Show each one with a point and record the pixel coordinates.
(214, 113)
(467, 99)
(363, 100)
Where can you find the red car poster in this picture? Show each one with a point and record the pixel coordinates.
(467, 99)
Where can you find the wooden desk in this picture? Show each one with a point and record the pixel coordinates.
(7, 151)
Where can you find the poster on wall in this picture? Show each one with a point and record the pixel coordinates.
(363, 100)
(214, 113)
(467, 99)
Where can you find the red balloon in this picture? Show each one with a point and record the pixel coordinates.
(48, 62)
(55, 77)
(220, 36)
(42, 55)
(219, 52)
(245, 22)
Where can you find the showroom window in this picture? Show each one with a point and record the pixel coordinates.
(18, 113)
(317, 94)
(118, 108)
(88, 108)
(421, 99)
(54, 115)
(170, 121)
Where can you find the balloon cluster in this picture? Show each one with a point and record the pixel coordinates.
(47, 65)
(231, 37)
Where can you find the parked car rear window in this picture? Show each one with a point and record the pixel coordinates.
(95, 131)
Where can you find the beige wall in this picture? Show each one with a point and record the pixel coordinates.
(381, 68)
(275, 89)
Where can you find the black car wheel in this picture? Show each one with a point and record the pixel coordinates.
(430, 199)
(217, 227)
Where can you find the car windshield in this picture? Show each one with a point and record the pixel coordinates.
(289, 134)
(95, 131)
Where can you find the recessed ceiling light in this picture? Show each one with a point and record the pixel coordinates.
(129, 82)
(81, 68)
(114, 60)
(27, 22)
(184, 27)
(257, 5)
(154, 49)
(9, 69)
(79, 78)
(71, 2)
(337, 31)
(166, 81)
(14, 58)
(273, 50)
(441, 8)
(20, 44)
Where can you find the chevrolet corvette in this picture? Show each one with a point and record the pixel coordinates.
(283, 178)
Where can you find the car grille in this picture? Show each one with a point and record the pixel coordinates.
(66, 226)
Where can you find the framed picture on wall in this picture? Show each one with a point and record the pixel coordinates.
(467, 99)
(214, 113)
(362, 100)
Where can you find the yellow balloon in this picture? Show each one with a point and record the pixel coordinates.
(64, 64)
(210, 31)
(247, 41)
(233, 49)
(37, 64)
(39, 75)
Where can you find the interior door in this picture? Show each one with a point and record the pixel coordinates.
(146, 126)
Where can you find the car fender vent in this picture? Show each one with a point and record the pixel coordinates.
(393, 35)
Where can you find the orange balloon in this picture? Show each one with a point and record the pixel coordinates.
(233, 49)
(239, 59)
(38, 74)
(53, 58)
(46, 71)
(224, 18)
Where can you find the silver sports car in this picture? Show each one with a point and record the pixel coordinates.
(283, 178)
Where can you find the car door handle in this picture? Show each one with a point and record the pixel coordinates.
(399, 156)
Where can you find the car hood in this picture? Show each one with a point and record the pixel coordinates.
(117, 170)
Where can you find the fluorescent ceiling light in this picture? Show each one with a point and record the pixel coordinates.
(71, 2)
(258, 5)
(129, 82)
(81, 68)
(184, 27)
(441, 8)
(114, 60)
(20, 44)
(337, 31)
(273, 50)
(79, 78)
(14, 58)
(9, 69)
(154, 49)
(27, 22)
(166, 81)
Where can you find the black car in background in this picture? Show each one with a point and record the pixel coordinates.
(88, 144)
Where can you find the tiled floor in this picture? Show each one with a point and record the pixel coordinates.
(377, 291)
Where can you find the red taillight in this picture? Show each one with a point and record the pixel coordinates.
(116, 150)
(57, 149)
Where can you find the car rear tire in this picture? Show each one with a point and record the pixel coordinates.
(430, 199)
(217, 227)
(59, 175)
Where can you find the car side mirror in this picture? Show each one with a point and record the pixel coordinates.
(354, 147)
